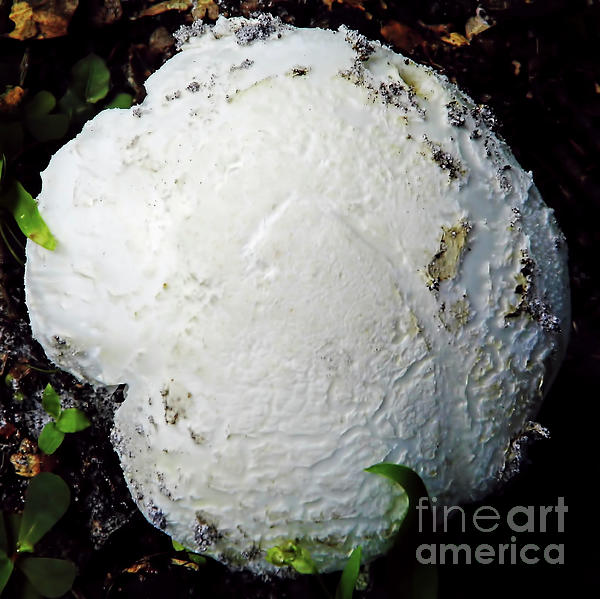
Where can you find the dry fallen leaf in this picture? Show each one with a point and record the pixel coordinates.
(10, 100)
(352, 3)
(205, 9)
(27, 460)
(477, 24)
(43, 19)
(401, 36)
(157, 9)
(22, 16)
(455, 39)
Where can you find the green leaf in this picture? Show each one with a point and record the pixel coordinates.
(121, 100)
(292, 555)
(51, 577)
(74, 107)
(177, 546)
(49, 127)
(50, 438)
(72, 420)
(2, 166)
(46, 501)
(345, 588)
(420, 580)
(40, 105)
(91, 78)
(24, 208)
(196, 558)
(51, 401)
(6, 569)
(42, 125)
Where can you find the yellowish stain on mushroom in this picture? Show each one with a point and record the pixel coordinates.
(444, 265)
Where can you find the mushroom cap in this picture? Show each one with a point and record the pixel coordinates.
(304, 254)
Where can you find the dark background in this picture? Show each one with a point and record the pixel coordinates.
(537, 68)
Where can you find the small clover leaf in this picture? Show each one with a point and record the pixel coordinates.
(72, 420)
(91, 78)
(50, 438)
(74, 107)
(51, 401)
(41, 104)
(41, 124)
(50, 577)
(46, 500)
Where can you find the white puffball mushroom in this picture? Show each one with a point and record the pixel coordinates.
(304, 254)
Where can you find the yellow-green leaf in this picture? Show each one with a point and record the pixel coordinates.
(293, 555)
(19, 201)
(72, 420)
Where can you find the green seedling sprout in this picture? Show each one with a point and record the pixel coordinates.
(292, 555)
(70, 420)
(46, 501)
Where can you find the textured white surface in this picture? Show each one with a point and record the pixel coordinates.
(257, 252)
